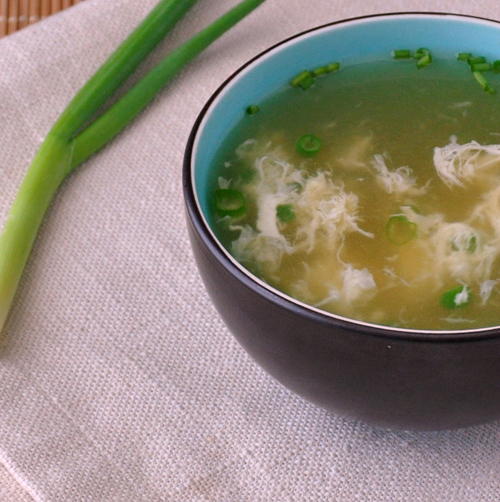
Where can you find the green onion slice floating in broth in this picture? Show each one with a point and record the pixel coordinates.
(400, 230)
(252, 109)
(285, 213)
(456, 298)
(308, 145)
(229, 202)
(401, 54)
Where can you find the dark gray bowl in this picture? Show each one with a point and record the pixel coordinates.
(387, 376)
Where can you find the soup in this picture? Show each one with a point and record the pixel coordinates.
(373, 194)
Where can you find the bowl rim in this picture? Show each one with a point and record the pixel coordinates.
(271, 294)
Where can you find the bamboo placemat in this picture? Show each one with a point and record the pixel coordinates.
(16, 14)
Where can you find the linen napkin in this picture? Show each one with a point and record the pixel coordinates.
(118, 380)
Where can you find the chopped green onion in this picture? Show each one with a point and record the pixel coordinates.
(304, 80)
(464, 56)
(69, 143)
(480, 67)
(456, 298)
(285, 213)
(472, 245)
(477, 59)
(401, 54)
(424, 61)
(320, 70)
(332, 67)
(420, 53)
(229, 202)
(400, 230)
(252, 109)
(483, 82)
(496, 66)
(306, 83)
(323, 70)
(308, 145)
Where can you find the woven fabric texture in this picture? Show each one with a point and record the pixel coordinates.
(118, 380)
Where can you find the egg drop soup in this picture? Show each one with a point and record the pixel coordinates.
(373, 194)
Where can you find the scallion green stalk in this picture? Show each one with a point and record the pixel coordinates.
(68, 143)
(108, 125)
(120, 65)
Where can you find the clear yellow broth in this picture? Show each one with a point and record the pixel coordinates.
(397, 114)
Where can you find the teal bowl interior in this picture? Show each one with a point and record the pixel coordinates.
(351, 42)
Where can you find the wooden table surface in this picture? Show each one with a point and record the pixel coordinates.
(16, 14)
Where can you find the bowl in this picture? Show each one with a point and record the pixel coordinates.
(390, 377)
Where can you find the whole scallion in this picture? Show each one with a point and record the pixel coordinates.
(72, 141)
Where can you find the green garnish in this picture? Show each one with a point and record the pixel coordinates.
(401, 54)
(285, 213)
(304, 80)
(424, 61)
(323, 70)
(229, 202)
(480, 66)
(77, 135)
(332, 67)
(252, 109)
(319, 71)
(481, 79)
(308, 145)
(400, 230)
(472, 246)
(456, 298)
(424, 57)
(306, 83)
(420, 53)
(476, 59)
